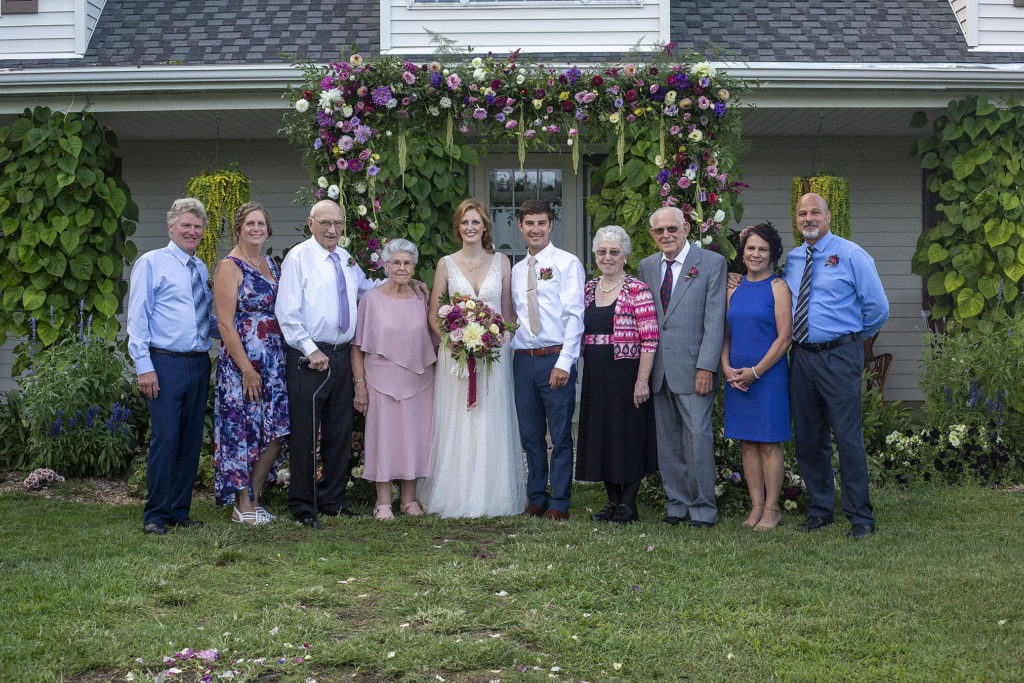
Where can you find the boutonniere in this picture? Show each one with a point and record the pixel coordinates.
(833, 260)
(692, 274)
(209, 284)
(546, 273)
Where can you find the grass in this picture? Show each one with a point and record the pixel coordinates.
(935, 595)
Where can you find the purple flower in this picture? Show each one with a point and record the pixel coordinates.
(580, 114)
(318, 143)
(362, 134)
(381, 95)
(345, 143)
(355, 165)
(479, 113)
(664, 176)
(735, 477)
(618, 102)
(573, 75)
(705, 82)
(718, 110)
(489, 99)
(454, 81)
(499, 117)
(324, 120)
(372, 171)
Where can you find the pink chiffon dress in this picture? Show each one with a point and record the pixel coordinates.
(398, 356)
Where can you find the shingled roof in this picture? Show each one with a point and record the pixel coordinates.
(152, 32)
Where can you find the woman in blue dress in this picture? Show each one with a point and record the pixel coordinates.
(759, 330)
(251, 401)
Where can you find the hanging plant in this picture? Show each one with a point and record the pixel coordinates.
(836, 193)
(221, 191)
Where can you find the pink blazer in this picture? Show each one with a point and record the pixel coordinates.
(636, 320)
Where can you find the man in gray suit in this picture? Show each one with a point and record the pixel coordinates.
(688, 284)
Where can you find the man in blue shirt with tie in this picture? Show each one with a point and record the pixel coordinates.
(169, 328)
(838, 301)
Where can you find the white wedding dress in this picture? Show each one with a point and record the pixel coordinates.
(476, 462)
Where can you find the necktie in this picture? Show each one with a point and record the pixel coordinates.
(666, 286)
(202, 302)
(531, 295)
(342, 292)
(801, 326)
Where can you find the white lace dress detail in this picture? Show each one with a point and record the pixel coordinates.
(476, 462)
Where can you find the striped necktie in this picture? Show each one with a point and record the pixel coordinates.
(202, 302)
(666, 286)
(801, 326)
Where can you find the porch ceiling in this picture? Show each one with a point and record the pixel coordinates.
(264, 123)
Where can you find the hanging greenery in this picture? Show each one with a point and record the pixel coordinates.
(835, 190)
(974, 256)
(221, 191)
(66, 222)
(367, 128)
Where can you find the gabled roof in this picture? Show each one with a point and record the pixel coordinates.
(154, 32)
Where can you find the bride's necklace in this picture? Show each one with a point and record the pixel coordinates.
(612, 288)
(476, 263)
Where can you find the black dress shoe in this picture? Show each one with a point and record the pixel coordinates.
(187, 523)
(154, 528)
(861, 530)
(697, 524)
(606, 513)
(625, 514)
(672, 521)
(813, 524)
(308, 520)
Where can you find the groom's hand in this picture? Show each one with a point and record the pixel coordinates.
(559, 378)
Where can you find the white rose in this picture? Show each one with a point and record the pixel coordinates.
(719, 216)
(520, 78)
(301, 106)
(695, 135)
(333, 191)
(346, 111)
(433, 111)
(322, 182)
(704, 69)
(670, 97)
(706, 240)
(690, 173)
(445, 102)
(362, 210)
(479, 74)
(343, 242)
(477, 62)
(360, 187)
(374, 257)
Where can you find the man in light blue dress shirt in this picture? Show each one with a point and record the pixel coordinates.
(840, 303)
(170, 323)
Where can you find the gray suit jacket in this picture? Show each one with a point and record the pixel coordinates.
(693, 327)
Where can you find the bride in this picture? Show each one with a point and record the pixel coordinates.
(476, 463)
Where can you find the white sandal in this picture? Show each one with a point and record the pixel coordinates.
(263, 512)
(248, 518)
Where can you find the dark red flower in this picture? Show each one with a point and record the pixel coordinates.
(563, 80)
(307, 95)
(495, 84)
(712, 198)
(500, 101)
(654, 71)
(539, 94)
(369, 110)
(697, 90)
(567, 105)
(681, 158)
(597, 81)
(632, 96)
(363, 224)
(611, 72)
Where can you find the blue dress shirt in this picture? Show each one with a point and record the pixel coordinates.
(161, 310)
(846, 294)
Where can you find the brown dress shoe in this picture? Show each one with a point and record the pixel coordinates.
(533, 511)
(552, 513)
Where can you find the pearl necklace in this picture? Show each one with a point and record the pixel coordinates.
(612, 288)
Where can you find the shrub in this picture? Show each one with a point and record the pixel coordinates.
(13, 432)
(76, 398)
(958, 454)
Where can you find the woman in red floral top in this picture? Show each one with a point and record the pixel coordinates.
(616, 442)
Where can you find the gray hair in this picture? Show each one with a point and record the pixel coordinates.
(399, 245)
(676, 211)
(613, 233)
(186, 205)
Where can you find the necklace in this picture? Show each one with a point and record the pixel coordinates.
(612, 288)
(252, 262)
(476, 263)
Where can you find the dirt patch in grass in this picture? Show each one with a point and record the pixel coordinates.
(101, 675)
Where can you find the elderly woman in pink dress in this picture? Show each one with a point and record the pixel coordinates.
(393, 354)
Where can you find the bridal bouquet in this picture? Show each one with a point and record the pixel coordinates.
(472, 331)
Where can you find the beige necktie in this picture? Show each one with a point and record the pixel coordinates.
(531, 296)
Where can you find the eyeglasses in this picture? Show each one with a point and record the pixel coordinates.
(337, 225)
(614, 253)
(670, 229)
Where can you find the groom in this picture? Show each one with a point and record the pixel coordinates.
(547, 290)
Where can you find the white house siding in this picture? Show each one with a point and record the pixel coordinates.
(1000, 26)
(960, 10)
(885, 216)
(93, 8)
(49, 33)
(564, 26)
(157, 172)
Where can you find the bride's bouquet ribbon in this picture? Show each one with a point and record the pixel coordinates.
(471, 390)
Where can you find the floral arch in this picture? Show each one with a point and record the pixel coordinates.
(391, 140)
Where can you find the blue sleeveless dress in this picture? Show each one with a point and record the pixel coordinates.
(761, 413)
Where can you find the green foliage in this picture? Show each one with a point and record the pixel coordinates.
(221, 191)
(836, 193)
(76, 398)
(972, 374)
(954, 454)
(14, 432)
(974, 255)
(879, 418)
(66, 223)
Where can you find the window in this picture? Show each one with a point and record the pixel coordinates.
(19, 7)
(510, 187)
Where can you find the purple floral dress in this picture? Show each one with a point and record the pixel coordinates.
(242, 429)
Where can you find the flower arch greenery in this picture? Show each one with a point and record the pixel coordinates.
(389, 140)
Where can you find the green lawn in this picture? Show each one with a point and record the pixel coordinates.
(937, 594)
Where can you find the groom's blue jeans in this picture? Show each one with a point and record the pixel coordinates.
(542, 409)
